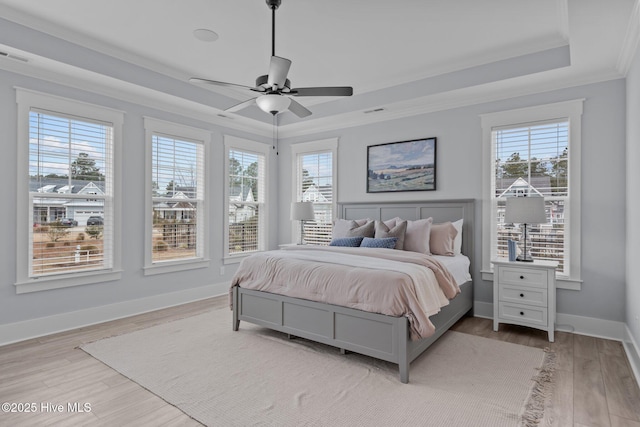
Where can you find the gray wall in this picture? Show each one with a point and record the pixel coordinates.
(459, 175)
(633, 199)
(134, 284)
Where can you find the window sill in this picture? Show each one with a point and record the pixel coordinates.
(46, 283)
(173, 266)
(236, 259)
(561, 282)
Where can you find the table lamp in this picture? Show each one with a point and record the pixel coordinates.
(302, 211)
(525, 210)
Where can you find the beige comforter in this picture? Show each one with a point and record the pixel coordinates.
(386, 281)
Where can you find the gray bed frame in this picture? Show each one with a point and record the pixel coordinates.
(376, 335)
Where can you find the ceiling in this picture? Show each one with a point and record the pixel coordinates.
(400, 57)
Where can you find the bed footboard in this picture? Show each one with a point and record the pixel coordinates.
(371, 334)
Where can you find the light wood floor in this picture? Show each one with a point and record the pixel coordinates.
(594, 384)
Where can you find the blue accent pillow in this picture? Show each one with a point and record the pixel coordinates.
(351, 242)
(385, 242)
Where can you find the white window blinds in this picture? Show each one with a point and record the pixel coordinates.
(246, 193)
(315, 184)
(533, 159)
(177, 198)
(70, 193)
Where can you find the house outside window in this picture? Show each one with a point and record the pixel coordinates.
(535, 152)
(314, 181)
(176, 203)
(246, 166)
(67, 209)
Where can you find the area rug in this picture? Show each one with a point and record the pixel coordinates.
(259, 377)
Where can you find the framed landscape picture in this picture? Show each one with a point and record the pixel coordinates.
(402, 166)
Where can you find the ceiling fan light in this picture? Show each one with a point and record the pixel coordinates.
(273, 104)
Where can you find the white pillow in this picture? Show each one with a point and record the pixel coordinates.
(457, 242)
(416, 238)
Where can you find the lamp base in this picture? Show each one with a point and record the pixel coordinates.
(525, 248)
(301, 241)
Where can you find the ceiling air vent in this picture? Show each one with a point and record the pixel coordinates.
(376, 110)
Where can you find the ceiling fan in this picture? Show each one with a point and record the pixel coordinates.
(275, 87)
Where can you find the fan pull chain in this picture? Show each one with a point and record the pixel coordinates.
(275, 132)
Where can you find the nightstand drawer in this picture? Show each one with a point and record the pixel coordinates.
(523, 295)
(523, 276)
(521, 313)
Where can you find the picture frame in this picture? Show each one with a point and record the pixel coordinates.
(402, 166)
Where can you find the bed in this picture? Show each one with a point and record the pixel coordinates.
(377, 335)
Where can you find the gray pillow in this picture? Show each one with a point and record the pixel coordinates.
(382, 230)
(366, 230)
(342, 227)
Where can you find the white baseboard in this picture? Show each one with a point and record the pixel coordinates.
(590, 326)
(633, 353)
(34, 328)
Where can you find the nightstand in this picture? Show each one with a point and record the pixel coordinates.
(524, 293)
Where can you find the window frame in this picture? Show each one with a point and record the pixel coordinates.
(306, 148)
(28, 100)
(261, 149)
(153, 127)
(570, 110)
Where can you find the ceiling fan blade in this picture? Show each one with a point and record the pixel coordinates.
(278, 70)
(298, 109)
(198, 80)
(323, 91)
(240, 106)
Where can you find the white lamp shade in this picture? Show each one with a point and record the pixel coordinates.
(273, 104)
(302, 211)
(525, 210)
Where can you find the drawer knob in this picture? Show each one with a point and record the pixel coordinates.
(522, 277)
(521, 295)
(522, 313)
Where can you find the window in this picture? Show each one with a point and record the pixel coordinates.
(536, 152)
(176, 197)
(246, 208)
(314, 177)
(531, 160)
(67, 228)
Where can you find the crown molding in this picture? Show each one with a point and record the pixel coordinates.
(630, 42)
(73, 77)
(94, 82)
(476, 95)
